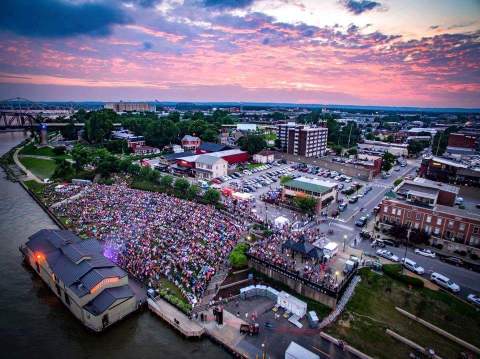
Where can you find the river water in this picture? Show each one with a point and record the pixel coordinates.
(35, 324)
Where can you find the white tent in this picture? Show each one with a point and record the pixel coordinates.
(242, 196)
(292, 304)
(281, 221)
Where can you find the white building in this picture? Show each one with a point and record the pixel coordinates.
(208, 167)
(93, 288)
(264, 156)
(380, 147)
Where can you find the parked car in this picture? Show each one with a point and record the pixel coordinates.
(342, 207)
(444, 282)
(453, 260)
(362, 221)
(353, 199)
(425, 252)
(459, 201)
(412, 266)
(387, 255)
(474, 299)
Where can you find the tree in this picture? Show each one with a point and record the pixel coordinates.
(107, 164)
(99, 125)
(285, 179)
(69, 132)
(440, 140)
(117, 146)
(370, 136)
(252, 143)
(306, 204)
(399, 232)
(211, 196)
(387, 161)
(166, 182)
(415, 147)
(193, 191)
(81, 156)
(161, 133)
(209, 135)
(337, 149)
(63, 169)
(352, 151)
(181, 187)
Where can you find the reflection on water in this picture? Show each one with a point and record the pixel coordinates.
(34, 324)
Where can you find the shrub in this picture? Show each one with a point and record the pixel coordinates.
(394, 271)
(237, 258)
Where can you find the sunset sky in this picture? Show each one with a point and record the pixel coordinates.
(359, 52)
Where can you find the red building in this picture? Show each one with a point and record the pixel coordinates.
(190, 143)
(461, 140)
(428, 206)
(371, 162)
(231, 156)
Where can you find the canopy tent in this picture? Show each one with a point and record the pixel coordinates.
(226, 191)
(242, 196)
(304, 248)
(281, 221)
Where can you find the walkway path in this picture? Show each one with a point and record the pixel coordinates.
(28, 174)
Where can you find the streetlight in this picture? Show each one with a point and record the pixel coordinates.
(344, 241)
(264, 355)
(409, 230)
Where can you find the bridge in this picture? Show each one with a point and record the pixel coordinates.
(23, 113)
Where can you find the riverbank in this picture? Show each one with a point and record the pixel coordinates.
(35, 324)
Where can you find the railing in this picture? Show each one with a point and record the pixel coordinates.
(335, 293)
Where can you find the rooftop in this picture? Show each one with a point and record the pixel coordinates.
(423, 182)
(78, 263)
(208, 160)
(214, 154)
(310, 184)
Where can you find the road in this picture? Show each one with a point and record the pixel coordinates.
(344, 225)
(468, 280)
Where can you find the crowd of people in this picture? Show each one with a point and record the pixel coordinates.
(54, 193)
(154, 235)
(272, 250)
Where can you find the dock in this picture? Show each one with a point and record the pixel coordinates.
(227, 335)
(176, 318)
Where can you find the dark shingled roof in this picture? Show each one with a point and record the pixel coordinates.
(78, 263)
(109, 296)
(213, 147)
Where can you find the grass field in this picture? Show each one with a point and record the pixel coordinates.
(31, 149)
(372, 310)
(39, 167)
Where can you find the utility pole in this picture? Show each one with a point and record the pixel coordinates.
(406, 244)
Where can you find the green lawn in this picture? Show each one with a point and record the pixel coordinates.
(35, 187)
(372, 310)
(253, 165)
(39, 167)
(31, 149)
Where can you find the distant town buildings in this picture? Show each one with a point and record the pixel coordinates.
(302, 140)
(379, 147)
(451, 171)
(132, 139)
(130, 106)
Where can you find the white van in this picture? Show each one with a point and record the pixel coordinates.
(330, 249)
(412, 266)
(444, 282)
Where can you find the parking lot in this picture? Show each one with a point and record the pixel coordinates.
(356, 198)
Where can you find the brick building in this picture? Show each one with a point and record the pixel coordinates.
(302, 140)
(462, 140)
(429, 206)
